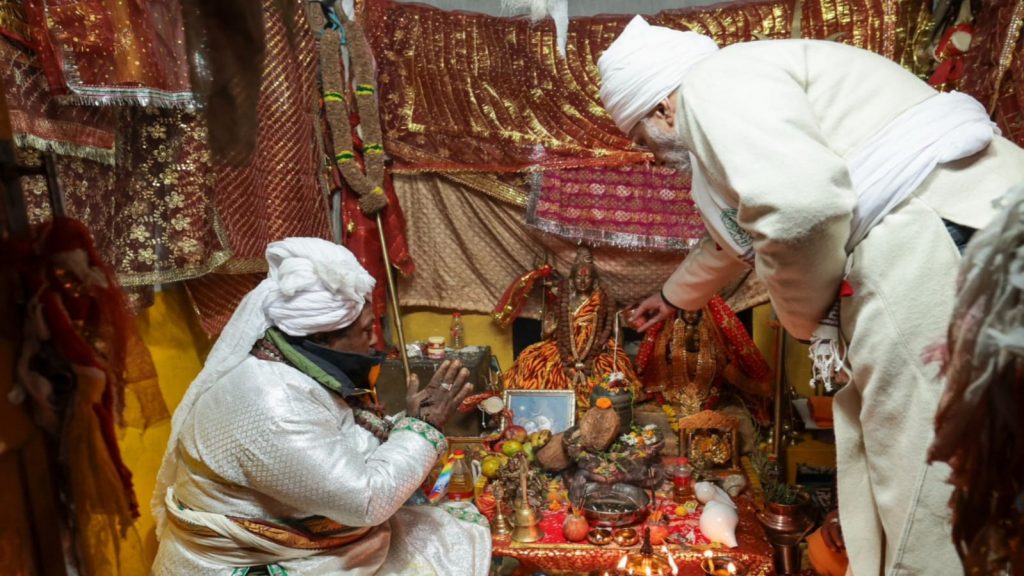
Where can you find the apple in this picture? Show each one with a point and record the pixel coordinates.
(514, 432)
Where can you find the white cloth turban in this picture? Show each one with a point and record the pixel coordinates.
(643, 66)
(316, 286)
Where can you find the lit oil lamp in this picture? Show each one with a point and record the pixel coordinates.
(646, 562)
(723, 566)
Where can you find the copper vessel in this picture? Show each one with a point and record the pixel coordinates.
(785, 525)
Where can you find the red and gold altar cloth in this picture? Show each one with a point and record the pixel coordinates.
(474, 92)
(112, 51)
(553, 554)
(638, 207)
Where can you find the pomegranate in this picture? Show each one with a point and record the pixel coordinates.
(575, 527)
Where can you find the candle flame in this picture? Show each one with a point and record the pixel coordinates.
(647, 570)
(622, 563)
(731, 568)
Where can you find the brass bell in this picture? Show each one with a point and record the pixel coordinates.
(500, 526)
(527, 526)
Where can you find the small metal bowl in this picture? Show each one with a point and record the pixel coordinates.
(614, 505)
(599, 536)
(626, 537)
(721, 564)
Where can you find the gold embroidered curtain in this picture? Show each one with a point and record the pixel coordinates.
(473, 92)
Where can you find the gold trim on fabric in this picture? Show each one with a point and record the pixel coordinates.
(101, 155)
(323, 533)
(293, 538)
(217, 258)
(1013, 31)
(489, 185)
(243, 266)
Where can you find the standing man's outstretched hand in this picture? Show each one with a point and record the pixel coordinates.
(651, 311)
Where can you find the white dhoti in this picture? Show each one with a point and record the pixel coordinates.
(901, 304)
(417, 540)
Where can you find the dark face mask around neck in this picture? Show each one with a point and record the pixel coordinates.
(361, 369)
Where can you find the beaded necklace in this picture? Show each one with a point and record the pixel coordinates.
(694, 362)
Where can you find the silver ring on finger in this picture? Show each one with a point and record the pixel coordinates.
(446, 386)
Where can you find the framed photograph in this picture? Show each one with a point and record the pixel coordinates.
(535, 410)
(711, 439)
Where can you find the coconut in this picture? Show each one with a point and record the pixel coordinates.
(599, 427)
(553, 457)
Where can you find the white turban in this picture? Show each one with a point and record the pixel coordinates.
(643, 66)
(317, 286)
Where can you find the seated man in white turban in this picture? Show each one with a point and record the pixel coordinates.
(832, 172)
(279, 462)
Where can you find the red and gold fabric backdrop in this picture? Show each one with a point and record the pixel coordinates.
(473, 92)
(112, 51)
(995, 64)
(278, 192)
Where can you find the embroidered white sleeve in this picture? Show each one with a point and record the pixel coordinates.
(316, 459)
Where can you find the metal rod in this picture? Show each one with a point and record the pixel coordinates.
(393, 293)
(780, 361)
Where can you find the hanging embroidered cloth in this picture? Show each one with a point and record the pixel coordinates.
(39, 122)
(638, 207)
(112, 51)
(994, 65)
(473, 92)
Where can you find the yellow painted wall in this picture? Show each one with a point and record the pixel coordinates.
(797, 362)
(480, 330)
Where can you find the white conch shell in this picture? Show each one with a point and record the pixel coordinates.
(709, 492)
(734, 484)
(718, 523)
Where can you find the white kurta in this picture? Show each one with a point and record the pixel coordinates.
(772, 124)
(267, 442)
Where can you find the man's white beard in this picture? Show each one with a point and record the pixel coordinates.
(667, 145)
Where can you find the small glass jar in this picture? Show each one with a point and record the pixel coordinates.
(682, 481)
(435, 347)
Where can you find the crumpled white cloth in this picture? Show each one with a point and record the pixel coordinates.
(312, 286)
(890, 165)
(644, 65)
(541, 9)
